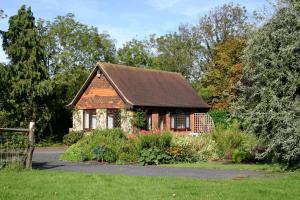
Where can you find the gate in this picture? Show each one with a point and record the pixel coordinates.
(17, 146)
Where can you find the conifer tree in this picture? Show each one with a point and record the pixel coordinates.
(28, 79)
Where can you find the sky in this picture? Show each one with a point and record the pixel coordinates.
(124, 19)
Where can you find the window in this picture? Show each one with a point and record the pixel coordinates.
(89, 119)
(180, 121)
(149, 121)
(113, 119)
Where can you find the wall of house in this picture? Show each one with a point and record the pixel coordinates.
(77, 120)
(100, 94)
(101, 118)
(126, 120)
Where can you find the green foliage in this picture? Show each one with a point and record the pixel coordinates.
(223, 74)
(27, 83)
(112, 142)
(135, 53)
(161, 141)
(221, 117)
(178, 52)
(152, 156)
(139, 119)
(72, 137)
(195, 149)
(231, 139)
(268, 101)
(98, 153)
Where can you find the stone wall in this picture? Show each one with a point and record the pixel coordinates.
(101, 118)
(77, 120)
(126, 120)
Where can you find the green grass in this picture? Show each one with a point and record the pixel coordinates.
(74, 185)
(228, 166)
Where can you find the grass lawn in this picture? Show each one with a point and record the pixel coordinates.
(228, 166)
(75, 185)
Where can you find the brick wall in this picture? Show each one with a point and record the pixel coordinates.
(99, 94)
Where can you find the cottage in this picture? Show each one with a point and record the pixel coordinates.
(112, 93)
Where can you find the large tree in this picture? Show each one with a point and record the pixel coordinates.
(269, 91)
(71, 44)
(27, 83)
(135, 53)
(222, 22)
(218, 83)
(178, 52)
(72, 49)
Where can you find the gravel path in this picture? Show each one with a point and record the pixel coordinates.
(48, 159)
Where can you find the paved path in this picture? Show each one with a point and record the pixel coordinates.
(48, 159)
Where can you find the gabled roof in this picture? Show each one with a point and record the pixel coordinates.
(147, 87)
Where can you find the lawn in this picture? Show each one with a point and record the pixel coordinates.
(74, 185)
(228, 166)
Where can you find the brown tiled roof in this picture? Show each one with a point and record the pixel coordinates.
(147, 87)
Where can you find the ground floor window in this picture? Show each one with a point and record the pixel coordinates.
(180, 121)
(89, 119)
(148, 121)
(113, 119)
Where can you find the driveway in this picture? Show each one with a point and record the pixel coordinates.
(48, 159)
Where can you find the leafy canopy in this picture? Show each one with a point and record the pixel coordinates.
(268, 101)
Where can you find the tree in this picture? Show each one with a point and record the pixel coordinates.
(72, 49)
(269, 91)
(28, 78)
(70, 44)
(178, 52)
(222, 23)
(135, 53)
(224, 72)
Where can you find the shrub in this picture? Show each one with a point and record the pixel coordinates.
(152, 139)
(232, 139)
(153, 156)
(98, 153)
(105, 145)
(238, 156)
(72, 137)
(221, 117)
(139, 119)
(195, 148)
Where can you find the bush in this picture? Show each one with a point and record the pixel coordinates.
(72, 137)
(101, 145)
(195, 149)
(232, 139)
(153, 156)
(221, 117)
(150, 140)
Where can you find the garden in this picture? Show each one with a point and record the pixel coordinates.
(227, 143)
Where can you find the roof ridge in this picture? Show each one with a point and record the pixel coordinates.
(138, 68)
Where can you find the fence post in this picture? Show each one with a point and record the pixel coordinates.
(31, 145)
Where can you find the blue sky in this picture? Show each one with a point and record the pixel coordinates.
(124, 19)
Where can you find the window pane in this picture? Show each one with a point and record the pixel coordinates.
(149, 122)
(172, 122)
(187, 120)
(94, 121)
(180, 121)
(110, 121)
(86, 120)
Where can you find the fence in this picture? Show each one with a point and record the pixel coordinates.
(203, 123)
(17, 146)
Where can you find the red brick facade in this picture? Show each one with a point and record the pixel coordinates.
(100, 94)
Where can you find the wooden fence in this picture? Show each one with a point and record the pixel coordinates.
(30, 142)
